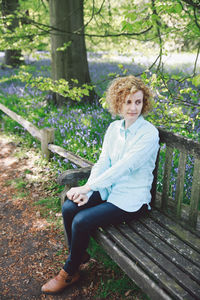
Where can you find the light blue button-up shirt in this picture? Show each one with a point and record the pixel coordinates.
(123, 173)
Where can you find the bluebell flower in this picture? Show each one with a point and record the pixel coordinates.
(74, 166)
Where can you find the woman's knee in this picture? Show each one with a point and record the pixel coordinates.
(68, 207)
(81, 223)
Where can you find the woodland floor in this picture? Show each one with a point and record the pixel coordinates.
(32, 249)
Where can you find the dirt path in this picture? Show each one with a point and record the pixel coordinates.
(31, 249)
(28, 245)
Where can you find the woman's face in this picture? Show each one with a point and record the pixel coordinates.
(132, 107)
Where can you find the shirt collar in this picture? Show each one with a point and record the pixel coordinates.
(134, 126)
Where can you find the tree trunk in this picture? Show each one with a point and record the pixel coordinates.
(66, 19)
(12, 56)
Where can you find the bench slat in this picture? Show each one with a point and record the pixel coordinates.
(180, 183)
(184, 214)
(154, 271)
(182, 143)
(131, 268)
(173, 241)
(188, 237)
(170, 268)
(195, 194)
(166, 177)
(175, 257)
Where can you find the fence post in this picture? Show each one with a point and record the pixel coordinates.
(47, 137)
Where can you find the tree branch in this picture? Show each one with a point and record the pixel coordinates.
(195, 64)
(192, 3)
(44, 5)
(49, 29)
(91, 16)
(195, 18)
(117, 34)
(185, 102)
(159, 34)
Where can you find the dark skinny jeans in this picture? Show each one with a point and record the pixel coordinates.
(81, 221)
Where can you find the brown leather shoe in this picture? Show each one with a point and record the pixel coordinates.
(60, 282)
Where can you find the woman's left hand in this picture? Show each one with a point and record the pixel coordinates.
(81, 200)
(75, 192)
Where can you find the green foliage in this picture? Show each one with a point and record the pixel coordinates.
(177, 21)
(115, 281)
(32, 30)
(46, 84)
(110, 286)
(51, 203)
(64, 47)
(196, 80)
(20, 183)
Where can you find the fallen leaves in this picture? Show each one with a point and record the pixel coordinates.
(32, 250)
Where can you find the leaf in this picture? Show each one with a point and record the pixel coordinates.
(155, 18)
(127, 26)
(64, 47)
(175, 77)
(178, 8)
(120, 66)
(196, 80)
(132, 16)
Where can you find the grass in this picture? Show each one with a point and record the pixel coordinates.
(110, 286)
(116, 281)
(18, 183)
(51, 203)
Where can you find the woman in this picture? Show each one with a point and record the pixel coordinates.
(119, 185)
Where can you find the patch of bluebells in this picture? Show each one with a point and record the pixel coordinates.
(174, 173)
(81, 130)
(189, 173)
(20, 90)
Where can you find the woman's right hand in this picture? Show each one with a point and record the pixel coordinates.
(82, 199)
(75, 192)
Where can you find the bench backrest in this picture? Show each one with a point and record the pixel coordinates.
(176, 185)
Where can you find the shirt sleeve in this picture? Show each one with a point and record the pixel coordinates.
(103, 162)
(136, 157)
(89, 194)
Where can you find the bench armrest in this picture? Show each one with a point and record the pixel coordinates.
(71, 177)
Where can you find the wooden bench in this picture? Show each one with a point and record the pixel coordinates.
(161, 251)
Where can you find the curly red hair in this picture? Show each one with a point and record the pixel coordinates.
(123, 86)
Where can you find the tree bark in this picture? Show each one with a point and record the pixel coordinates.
(12, 56)
(66, 19)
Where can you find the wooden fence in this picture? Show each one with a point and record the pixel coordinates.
(46, 136)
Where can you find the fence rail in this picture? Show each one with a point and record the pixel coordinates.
(34, 131)
(79, 161)
(46, 136)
